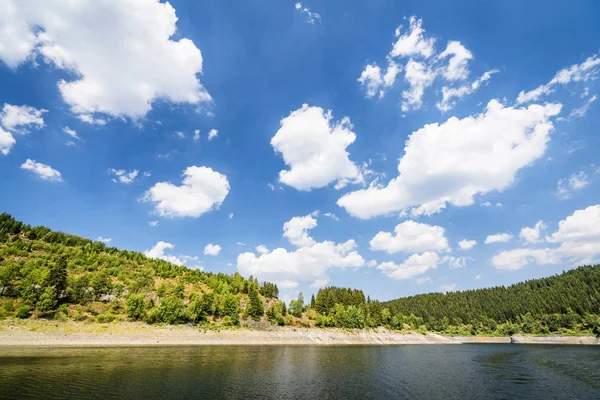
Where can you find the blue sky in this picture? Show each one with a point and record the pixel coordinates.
(329, 93)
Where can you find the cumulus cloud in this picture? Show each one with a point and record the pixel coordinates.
(411, 237)
(456, 262)
(44, 171)
(309, 16)
(158, 251)
(532, 234)
(422, 68)
(576, 181)
(212, 134)
(120, 175)
(577, 242)
(212, 249)
(104, 240)
(153, 223)
(575, 73)
(196, 135)
(498, 238)
(452, 162)
(416, 264)
(314, 148)
(466, 244)
(7, 141)
(310, 261)
(19, 118)
(202, 190)
(122, 55)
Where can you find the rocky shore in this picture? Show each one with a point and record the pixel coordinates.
(50, 333)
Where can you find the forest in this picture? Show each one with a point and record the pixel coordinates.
(54, 275)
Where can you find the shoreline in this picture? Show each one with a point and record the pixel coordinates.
(72, 334)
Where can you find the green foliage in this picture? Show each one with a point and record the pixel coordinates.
(255, 308)
(170, 311)
(352, 317)
(23, 312)
(136, 307)
(328, 297)
(269, 290)
(297, 306)
(48, 300)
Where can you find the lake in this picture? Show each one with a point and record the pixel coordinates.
(470, 371)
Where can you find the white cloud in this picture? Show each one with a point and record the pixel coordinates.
(44, 171)
(158, 251)
(450, 163)
(319, 283)
(17, 118)
(577, 237)
(532, 235)
(7, 141)
(414, 42)
(416, 264)
(202, 190)
(315, 149)
(88, 119)
(212, 249)
(456, 262)
(230, 215)
(374, 82)
(212, 134)
(421, 69)
(121, 54)
(287, 284)
(467, 244)
(296, 230)
(477, 277)
(419, 77)
(310, 17)
(240, 243)
(488, 204)
(123, 176)
(153, 223)
(331, 215)
(196, 135)
(420, 281)
(451, 93)
(457, 68)
(576, 181)
(104, 240)
(262, 249)
(411, 237)
(71, 133)
(581, 111)
(310, 261)
(575, 73)
(179, 135)
(518, 258)
(498, 238)
(448, 288)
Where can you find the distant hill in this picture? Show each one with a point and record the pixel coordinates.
(571, 294)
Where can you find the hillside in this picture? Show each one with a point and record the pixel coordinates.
(52, 275)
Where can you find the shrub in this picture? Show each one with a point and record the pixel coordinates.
(23, 311)
(353, 317)
(136, 309)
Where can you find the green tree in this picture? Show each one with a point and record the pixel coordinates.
(296, 306)
(57, 277)
(255, 307)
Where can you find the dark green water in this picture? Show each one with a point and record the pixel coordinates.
(284, 372)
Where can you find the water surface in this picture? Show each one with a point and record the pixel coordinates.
(470, 371)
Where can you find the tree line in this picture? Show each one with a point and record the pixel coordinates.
(48, 274)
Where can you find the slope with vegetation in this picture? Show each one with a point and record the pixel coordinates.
(47, 274)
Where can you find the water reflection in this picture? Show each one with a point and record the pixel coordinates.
(284, 372)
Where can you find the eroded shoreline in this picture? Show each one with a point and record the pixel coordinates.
(72, 334)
